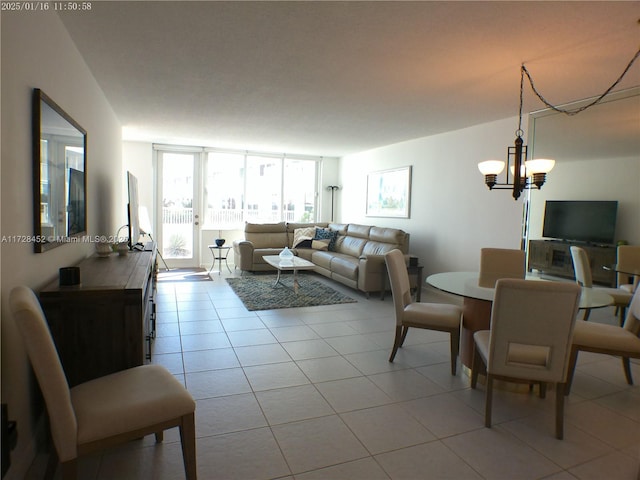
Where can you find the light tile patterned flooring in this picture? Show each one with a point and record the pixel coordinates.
(309, 394)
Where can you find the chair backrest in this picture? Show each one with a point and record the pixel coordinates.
(42, 352)
(632, 322)
(498, 263)
(399, 279)
(628, 261)
(581, 266)
(532, 328)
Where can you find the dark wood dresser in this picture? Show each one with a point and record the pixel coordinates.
(107, 323)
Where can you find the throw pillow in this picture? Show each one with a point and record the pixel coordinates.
(301, 234)
(327, 234)
(305, 243)
(320, 244)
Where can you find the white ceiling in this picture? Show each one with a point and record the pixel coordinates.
(333, 78)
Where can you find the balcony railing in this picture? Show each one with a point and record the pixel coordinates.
(225, 219)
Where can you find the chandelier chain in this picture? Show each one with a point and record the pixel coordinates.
(524, 72)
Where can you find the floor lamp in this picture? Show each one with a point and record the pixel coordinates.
(333, 189)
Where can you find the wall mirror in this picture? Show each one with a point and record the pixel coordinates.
(59, 175)
(590, 149)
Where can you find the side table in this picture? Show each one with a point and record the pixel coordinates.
(219, 254)
(412, 270)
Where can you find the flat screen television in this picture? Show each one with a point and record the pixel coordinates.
(581, 220)
(132, 212)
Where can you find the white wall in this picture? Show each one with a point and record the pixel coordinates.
(453, 214)
(38, 52)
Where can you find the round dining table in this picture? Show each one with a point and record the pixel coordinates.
(477, 302)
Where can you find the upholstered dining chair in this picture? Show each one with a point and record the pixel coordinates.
(582, 270)
(105, 411)
(622, 342)
(529, 339)
(628, 261)
(498, 263)
(432, 316)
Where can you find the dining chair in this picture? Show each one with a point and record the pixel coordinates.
(498, 263)
(105, 411)
(582, 270)
(441, 317)
(628, 261)
(621, 342)
(529, 339)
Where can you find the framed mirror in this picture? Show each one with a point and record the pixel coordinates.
(59, 175)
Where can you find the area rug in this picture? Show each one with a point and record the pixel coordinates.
(257, 292)
(184, 275)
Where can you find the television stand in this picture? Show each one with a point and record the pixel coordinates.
(553, 257)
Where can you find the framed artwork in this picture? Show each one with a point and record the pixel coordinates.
(389, 193)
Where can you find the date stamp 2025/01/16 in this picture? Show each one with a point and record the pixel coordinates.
(40, 6)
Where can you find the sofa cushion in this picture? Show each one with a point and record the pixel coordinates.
(327, 234)
(388, 235)
(345, 265)
(358, 231)
(303, 234)
(377, 248)
(351, 246)
(266, 235)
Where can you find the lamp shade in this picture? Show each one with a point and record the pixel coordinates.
(540, 165)
(491, 167)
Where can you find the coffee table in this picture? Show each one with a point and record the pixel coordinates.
(291, 264)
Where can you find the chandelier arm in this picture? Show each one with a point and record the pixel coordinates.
(584, 107)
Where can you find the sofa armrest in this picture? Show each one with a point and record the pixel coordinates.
(370, 273)
(243, 254)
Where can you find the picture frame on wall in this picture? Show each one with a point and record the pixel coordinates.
(389, 193)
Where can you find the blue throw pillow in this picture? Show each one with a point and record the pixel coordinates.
(327, 234)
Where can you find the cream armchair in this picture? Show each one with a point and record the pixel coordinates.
(496, 263)
(105, 411)
(623, 342)
(432, 316)
(531, 329)
(582, 269)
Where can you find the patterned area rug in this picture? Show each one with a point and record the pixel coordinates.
(257, 292)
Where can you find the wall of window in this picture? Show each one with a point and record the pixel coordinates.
(260, 188)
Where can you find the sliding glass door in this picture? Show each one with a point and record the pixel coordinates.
(178, 212)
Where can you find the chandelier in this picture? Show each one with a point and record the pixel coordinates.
(527, 174)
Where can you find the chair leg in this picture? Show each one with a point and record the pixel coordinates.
(476, 362)
(560, 387)
(627, 370)
(188, 441)
(52, 464)
(621, 315)
(455, 345)
(488, 401)
(69, 469)
(543, 390)
(573, 359)
(397, 341)
(405, 330)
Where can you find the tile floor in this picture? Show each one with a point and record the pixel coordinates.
(309, 394)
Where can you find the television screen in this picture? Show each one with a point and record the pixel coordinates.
(581, 221)
(132, 210)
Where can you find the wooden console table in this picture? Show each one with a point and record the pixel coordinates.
(105, 324)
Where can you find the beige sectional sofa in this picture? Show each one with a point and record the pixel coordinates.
(356, 258)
